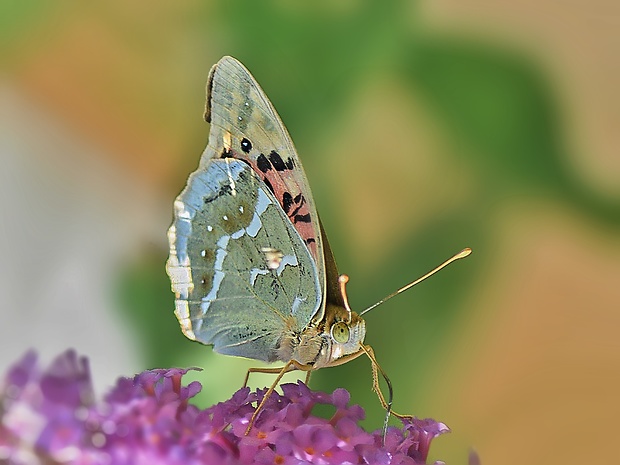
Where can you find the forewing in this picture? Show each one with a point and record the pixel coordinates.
(230, 290)
(245, 125)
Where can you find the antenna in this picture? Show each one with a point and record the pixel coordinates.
(462, 254)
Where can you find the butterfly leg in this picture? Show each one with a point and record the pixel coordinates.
(273, 371)
(376, 369)
(290, 366)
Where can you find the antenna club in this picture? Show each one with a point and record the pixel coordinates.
(464, 253)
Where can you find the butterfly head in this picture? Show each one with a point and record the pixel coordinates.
(345, 332)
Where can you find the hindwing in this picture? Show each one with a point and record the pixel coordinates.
(241, 273)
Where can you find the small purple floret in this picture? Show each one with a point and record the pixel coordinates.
(52, 416)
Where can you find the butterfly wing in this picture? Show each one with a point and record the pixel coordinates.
(245, 125)
(231, 292)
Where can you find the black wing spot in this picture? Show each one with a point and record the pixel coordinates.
(287, 201)
(290, 164)
(246, 145)
(268, 184)
(276, 161)
(262, 163)
(226, 153)
(296, 210)
(299, 201)
(310, 240)
(224, 190)
(302, 218)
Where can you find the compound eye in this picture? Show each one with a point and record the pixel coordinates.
(340, 332)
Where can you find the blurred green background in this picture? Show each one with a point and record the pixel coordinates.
(424, 127)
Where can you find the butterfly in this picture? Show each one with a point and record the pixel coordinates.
(250, 264)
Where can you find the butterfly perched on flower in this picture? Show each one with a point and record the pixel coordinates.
(249, 263)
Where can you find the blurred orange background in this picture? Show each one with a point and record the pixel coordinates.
(424, 127)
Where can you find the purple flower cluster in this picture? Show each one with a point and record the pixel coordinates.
(52, 417)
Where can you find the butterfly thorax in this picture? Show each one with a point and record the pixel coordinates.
(325, 342)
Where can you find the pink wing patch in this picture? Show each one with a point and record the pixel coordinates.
(280, 177)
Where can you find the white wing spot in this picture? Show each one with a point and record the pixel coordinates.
(218, 276)
(296, 303)
(203, 253)
(273, 257)
(227, 139)
(209, 228)
(290, 260)
(225, 218)
(239, 118)
(180, 210)
(231, 180)
(241, 208)
(254, 273)
(261, 205)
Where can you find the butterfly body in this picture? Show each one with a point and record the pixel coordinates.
(249, 263)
